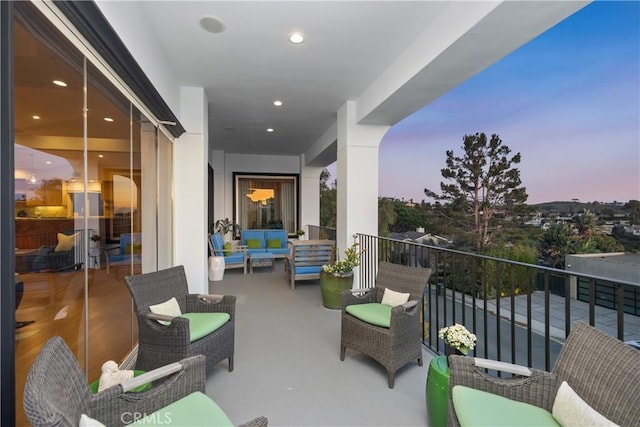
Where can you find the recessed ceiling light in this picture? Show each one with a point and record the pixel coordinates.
(101, 155)
(296, 38)
(212, 24)
(59, 83)
(277, 103)
(108, 119)
(269, 129)
(35, 117)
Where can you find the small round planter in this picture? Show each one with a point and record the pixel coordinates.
(332, 287)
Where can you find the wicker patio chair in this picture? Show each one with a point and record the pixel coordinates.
(161, 342)
(57, 394)
(602, 370)
(399, 343)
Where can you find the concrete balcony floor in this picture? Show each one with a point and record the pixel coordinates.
(288, 368)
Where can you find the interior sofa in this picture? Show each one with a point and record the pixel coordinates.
(265, 241)
(595, 381)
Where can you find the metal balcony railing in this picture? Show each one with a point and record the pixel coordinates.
(520, 313)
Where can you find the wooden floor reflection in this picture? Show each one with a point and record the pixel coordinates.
(55, 304)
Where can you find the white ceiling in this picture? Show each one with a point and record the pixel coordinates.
(348, 45)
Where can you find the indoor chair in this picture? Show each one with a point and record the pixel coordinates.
(602, 374)
(389, 329)
(170, 330)
(57, 394)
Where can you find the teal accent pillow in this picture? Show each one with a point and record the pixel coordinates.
(254, 243)
(202, 324)
(479, 408)
(274, 243)
(373, 313)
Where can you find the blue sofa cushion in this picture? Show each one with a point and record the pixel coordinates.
(236, 257)
(277, 235)
(218, 243)
(280, 251)
(312, 269)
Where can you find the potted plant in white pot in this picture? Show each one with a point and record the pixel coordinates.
(226, 226)
(338, 276)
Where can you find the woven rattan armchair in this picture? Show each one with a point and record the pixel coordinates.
(396, 345)
(603, 371)
(57, 394)
(56, 391)
(160, 344)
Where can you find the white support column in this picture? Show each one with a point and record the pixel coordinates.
(309, 195)
(219, 187)
(357, 203)
(190, 180)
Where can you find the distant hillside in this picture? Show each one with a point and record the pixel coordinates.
(575, 207)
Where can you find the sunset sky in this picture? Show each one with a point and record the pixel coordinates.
(568, 101)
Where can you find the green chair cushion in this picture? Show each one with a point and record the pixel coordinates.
(195, 409)
(254, 243)
(373, 313)
(202, 324)
(274, 243)
(479, 408)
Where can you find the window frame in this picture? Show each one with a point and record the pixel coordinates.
(292, 177)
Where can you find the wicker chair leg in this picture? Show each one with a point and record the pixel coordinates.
(343, 350)
(231, 364)
(391, 376)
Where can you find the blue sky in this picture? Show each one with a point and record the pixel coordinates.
(568, 101)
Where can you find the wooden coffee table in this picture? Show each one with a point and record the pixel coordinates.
(261, 259)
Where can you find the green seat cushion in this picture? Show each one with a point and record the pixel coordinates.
(202, 324)
(254, 243)
(274, 243)
(479, 408)
(195, 409)
(373, 313)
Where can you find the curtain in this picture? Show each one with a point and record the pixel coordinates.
(277, 212)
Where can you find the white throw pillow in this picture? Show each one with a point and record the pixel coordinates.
(393, 298)
(168, 308)
(65, 242)
(571, 411)
(86, 421)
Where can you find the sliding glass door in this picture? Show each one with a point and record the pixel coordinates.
(91, 206)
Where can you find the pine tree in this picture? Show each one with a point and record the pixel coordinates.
(484, 187)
